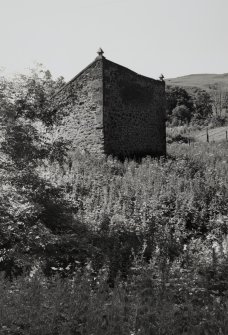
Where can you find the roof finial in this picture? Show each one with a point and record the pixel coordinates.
(161, 77)
(100, 52)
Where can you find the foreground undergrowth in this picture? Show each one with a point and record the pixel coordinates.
(140, 247)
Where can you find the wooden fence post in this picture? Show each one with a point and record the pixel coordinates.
(207, 136)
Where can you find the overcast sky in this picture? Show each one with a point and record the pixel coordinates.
(173, 37)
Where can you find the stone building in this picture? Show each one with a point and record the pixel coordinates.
(110, 109)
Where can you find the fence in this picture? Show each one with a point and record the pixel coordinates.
(211, 136)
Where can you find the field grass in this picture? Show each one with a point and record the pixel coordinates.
(183, 133)
(215, 134)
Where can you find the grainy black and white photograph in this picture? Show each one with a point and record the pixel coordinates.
(113, 167)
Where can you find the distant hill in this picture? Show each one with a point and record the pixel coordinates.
(203, 81)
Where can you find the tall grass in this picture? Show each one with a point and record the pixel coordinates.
(158, 229)
(145, 304)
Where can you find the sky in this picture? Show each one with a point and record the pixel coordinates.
(173, 37)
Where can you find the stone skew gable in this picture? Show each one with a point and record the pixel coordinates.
(110, 109)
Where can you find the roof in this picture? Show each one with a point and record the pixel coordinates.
(98, 58)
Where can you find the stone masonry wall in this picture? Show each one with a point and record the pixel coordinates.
(134, 113)
(110, 109)
(80, 104)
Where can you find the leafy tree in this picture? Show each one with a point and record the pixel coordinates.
(219, 99)
(177, 96)
(202, 107)
(181, 115)
(36, 218)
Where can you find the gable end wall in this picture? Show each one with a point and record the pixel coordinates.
(134, 113)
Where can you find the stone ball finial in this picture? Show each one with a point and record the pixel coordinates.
(100, 52)
(161, 77)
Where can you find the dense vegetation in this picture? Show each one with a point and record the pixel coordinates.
(94, 246)
(196, 107)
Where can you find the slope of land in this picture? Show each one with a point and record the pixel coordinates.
(203, 81)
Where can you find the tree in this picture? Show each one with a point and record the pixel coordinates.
(181, 115)
(225, 101)
(219, 100)
(35, 217)
(202, 107)
(176, 96)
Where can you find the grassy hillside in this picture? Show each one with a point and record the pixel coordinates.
(203, 81)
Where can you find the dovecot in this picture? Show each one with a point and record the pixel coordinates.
(109, 109)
